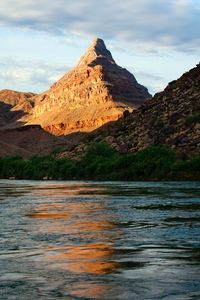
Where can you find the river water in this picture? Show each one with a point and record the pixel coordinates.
(99, 240)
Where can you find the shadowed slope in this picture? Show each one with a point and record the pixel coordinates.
(32, 140)
(171, 118)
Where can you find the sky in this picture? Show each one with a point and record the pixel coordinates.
(156, 40)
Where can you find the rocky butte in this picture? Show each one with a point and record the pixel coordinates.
(95, 92)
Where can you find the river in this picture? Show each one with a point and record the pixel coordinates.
(99, 240)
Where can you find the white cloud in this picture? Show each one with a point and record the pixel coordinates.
(37, 74)
(159, 23)
(154, 83)
(143, 33)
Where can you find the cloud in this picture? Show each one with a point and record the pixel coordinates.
(38, 75)
(154, 83)
(150, 23)
(34, 74)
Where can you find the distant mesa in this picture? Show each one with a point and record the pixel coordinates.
(95, 92)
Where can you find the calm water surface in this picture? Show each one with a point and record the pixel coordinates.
(99, 240)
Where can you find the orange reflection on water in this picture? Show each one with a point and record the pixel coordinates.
(48, 215)
(79, 216)
(62, 210)
(88, 258)
(50, 211)
(57, 190)
(92, 226)
(72, 209)
(92, 290)
(78, 221)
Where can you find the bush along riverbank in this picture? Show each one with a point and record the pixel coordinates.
(101, 162)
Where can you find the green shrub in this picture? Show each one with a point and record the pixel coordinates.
(191, 119)
(101, 162)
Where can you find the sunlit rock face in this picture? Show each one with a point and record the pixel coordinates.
(18, 100)
(95, 92)
(13, 105)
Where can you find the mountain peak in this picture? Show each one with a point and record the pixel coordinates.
(98, 42)
(96, 91)
(97, 50)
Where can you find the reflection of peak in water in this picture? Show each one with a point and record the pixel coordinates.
(74, 208)
(48, 215)
(78, 217)
(44, 189)
(133, 246)
(87, 258)
(85, 228)
(94, 290)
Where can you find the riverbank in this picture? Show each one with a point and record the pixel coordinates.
(101, 162)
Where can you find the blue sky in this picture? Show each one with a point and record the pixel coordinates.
(157, 40)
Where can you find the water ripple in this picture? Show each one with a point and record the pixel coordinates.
(99, 240)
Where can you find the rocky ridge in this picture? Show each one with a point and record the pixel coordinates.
(171, 118)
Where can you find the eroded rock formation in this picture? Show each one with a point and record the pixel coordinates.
(14, 105)
(95, 92)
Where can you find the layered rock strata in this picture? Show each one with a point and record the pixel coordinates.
(95, 92)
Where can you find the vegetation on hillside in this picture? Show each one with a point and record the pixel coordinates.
(101, 162)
